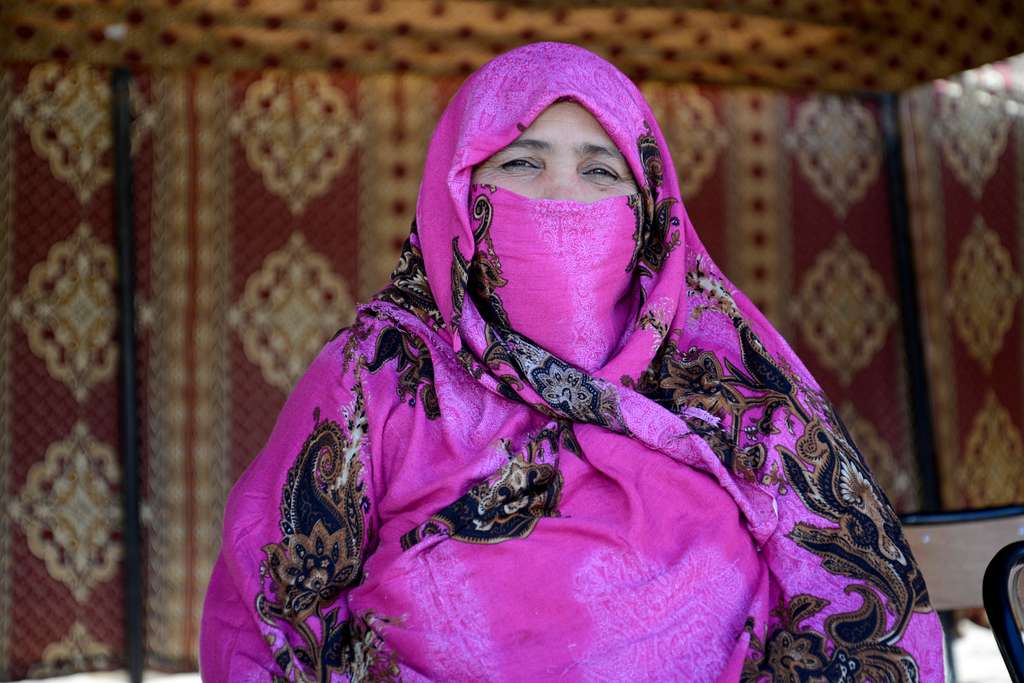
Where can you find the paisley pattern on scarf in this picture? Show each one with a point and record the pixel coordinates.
(655, 238)
(323, 513)
(485, 269)
(862, 643)
(745, 403)
(565, 391)
(828, 474)
(415, 369)
(554, 437)
(862, 648)
(460, 277)
(409, 288)
(505, 506)
(365, 658)
(509, 504)
(501, 363)
(693, 379)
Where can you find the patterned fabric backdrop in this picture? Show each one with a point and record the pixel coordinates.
(60, 550)
(268, 203)
(965, 159)
(848, 45)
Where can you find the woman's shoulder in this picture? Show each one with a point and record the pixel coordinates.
(383, 344)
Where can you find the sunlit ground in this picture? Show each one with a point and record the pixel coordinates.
(977, 656)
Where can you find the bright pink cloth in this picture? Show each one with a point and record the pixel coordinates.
(565, 268)
(457, 490)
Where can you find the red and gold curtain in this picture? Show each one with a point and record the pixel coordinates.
(267, 203)
(60, 549)
(965, 160)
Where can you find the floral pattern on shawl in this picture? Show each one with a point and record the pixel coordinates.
(657, 231)
(498, 509)
(409, 288)
(484, 273)
(321, 554)
(508, 504)
(413, 364)
(754, 404)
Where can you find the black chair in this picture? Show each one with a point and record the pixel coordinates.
(953, 550)
(1004, 603)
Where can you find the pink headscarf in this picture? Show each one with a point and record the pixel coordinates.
(677, 277)
(753, 416)
(700, 384)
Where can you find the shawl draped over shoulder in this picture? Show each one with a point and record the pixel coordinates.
(443, 499)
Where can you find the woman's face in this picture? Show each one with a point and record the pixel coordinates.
(564, 154)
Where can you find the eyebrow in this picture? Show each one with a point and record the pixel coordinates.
(528, 143)
(582, 149)
(587, 149)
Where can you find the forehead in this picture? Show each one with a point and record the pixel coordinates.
(567, 120)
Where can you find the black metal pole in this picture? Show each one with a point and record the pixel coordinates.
(128, 407)
(913, 337)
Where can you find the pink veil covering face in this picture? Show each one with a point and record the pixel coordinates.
(700, 377)
(556, 270)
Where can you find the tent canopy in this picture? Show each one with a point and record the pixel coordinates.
(842, 45)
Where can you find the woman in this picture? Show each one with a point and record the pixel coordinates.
(561, 444)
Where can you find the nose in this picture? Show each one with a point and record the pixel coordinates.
(562, 184)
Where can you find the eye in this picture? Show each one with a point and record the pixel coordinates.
(518, 164)
(602, 173)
